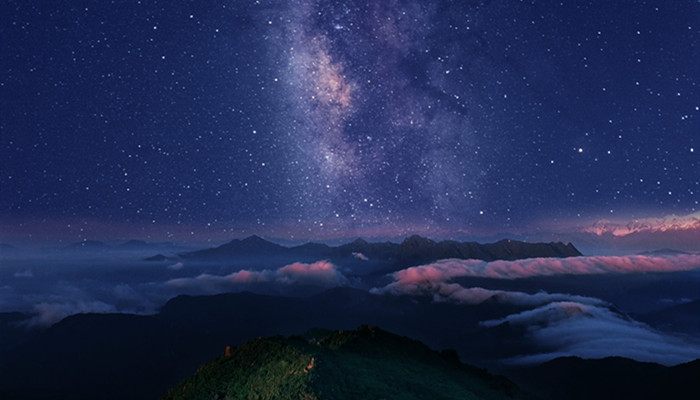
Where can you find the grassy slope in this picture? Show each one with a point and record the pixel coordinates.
(366, 363)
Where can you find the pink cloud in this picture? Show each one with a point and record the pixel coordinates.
(301, 268)
(444, 270)
(590, 265)
(211, 282)
(666, 224)
(321, 273)
(245, 276)
(559, 324)
(434, 279)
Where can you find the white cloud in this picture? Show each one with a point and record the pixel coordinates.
(47, 314)
(562, 324)
(320, 273)
(177, 266)
(360, 256)
(593, 331)
(434, 279)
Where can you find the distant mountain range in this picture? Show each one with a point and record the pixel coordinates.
(671, 223)
(413, 250)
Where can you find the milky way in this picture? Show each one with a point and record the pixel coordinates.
(335, 119)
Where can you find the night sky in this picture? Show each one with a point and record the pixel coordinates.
(192, 120)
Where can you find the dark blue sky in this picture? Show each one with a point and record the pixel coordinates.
(317, 119)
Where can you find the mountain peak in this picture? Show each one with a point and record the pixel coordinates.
(417, 241)
(254, 239)
(255, 242)
(251, 245)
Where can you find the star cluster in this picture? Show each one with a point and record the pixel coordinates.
(317, 118)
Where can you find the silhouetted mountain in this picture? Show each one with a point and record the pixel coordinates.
(662, 252)
(614, 378)
(363, 363)
(88, 356)
(418, 250)
(253, 245)
(134, 244)
(384, 251)
(313, 250)
(680, 318)
(158, 257)
(513, 250)
(413, 250)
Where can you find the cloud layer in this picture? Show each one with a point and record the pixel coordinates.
(47, 314)
(558, 324)
(570, 328)
(321, 274)
(455, 293)
(444, 270)
(434, 279)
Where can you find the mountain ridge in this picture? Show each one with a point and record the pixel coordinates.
(366, 362)
(413, 250)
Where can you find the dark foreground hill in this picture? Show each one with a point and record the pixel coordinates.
(121, 356)
(366, 363)
(612, 378)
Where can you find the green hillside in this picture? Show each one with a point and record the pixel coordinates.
(366, 363)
